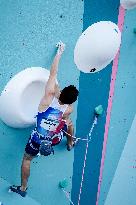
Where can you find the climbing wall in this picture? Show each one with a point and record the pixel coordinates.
(104, 179)
(29, 31)
(119, 165)
(94, 90)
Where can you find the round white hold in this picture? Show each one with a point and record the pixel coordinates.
(97, 46)
(128, 4)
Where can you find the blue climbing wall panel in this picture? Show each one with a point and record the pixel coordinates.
(94, 90)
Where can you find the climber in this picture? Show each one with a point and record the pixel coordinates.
(53, 116)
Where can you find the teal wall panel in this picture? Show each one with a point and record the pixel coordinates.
(123, 108)
(122, 190)
(29, 31)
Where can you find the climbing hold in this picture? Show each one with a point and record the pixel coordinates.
(104, 39)
(63, 184)
(99, 110)
(134, 30)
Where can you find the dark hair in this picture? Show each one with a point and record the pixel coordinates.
(69, 94)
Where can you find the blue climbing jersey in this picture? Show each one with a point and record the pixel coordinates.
(48, 122)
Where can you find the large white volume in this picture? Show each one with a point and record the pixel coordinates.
(97, 46)
(20, 98)
(128, 4)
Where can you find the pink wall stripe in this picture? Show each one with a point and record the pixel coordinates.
(111, 93)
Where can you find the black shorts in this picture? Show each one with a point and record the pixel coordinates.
(32, 146)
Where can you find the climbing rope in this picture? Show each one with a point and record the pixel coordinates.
(89, 138)
(67, 196)
(63, 184)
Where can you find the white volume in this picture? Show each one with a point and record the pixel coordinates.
(97, 46)
(20, 98)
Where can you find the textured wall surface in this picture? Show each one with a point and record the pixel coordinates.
(94, 90)
(122, 115)
(29, 31)
(122, 190)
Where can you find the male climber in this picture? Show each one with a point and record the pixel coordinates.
(53, 117)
